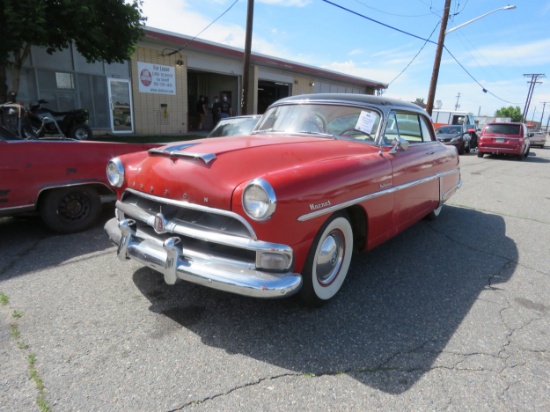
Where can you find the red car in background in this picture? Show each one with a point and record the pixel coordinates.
(504, 138)
(63, 180)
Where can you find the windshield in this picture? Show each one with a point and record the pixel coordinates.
(233, 126)
(513, 129)
(448, 130)
(321, 119)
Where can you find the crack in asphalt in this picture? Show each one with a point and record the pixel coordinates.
(236, 388)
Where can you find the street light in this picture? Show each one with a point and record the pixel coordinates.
(479, 17)
(439, 51)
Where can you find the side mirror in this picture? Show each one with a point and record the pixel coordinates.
(399, 144)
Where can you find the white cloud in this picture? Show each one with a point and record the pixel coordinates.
(525, 54)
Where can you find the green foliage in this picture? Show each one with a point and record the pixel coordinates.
(4, 299)
(101, 30)
(514, 113)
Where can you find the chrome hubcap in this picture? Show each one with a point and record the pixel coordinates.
(330, 258)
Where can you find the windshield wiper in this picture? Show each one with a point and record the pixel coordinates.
(272, 130)
(316, 133)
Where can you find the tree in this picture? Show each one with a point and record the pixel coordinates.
(514, 113)
(101, 30)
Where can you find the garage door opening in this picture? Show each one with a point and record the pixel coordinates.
(269, 92)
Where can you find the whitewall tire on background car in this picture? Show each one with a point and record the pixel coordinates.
(328, 261)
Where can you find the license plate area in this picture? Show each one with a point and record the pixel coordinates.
(500, 140)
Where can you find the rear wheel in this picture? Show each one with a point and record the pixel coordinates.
(80, 132)
(328, 261)
(479, 154)
(71, 209)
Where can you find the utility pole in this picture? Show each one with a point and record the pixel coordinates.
(542, 115)
(437, 61)
(246, 60)
(457, 99)
(532, 83)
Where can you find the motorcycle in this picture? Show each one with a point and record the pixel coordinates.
(14, 118)
(70, 124)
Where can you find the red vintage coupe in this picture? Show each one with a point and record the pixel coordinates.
(61, 179)
(281, 211)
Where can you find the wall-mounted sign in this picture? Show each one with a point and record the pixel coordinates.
(156, 78)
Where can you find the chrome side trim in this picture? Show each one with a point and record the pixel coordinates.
(361, 199)
(183, 204)
(8, 211)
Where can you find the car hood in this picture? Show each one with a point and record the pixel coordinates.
(207, 171)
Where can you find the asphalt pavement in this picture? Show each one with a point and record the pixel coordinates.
(450, 315)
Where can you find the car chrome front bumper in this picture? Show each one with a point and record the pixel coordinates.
(169, 258)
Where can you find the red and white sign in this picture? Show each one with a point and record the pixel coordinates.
(156, 78)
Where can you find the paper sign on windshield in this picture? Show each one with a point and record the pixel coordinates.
(366, 121)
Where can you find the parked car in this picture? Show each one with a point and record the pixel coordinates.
(63, 180)
(236, 125)
(537, 139)
(281, 211)
(504, 138)
(454, 136)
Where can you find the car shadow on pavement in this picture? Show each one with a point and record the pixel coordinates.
(23, 235)
(394, 317)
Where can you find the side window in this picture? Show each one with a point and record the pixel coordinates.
(391, 131)
(427, 130)
(412, 127)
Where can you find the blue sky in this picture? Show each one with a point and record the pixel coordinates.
(495, 52)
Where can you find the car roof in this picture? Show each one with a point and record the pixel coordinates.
(486, 124)
(353, 98)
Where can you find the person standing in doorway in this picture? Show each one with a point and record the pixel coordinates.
(216, 110)
(201, 111)
(226, 110)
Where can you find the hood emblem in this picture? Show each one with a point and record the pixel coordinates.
(159, 224)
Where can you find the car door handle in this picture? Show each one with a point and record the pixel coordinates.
(431, 152)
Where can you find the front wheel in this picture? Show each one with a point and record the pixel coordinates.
(71, 209)
(328, 261)
(80, 132)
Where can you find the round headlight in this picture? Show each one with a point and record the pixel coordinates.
(259, 199)
(115, 172)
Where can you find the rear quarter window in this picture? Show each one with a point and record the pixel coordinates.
(509, 129)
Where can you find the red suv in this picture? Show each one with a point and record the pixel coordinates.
(509, 138)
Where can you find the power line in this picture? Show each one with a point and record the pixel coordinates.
(214, 21)
(420, 38)
(532, 83)
(387, 12)
(415, 56)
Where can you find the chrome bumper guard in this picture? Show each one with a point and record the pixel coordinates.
(170, 259)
